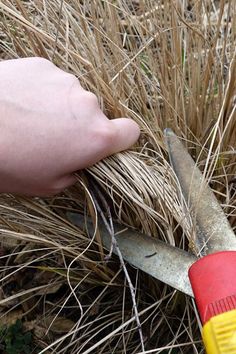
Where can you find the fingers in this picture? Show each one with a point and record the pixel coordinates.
(57, 186)
(119, 135)
(125, 133)
(103, 138)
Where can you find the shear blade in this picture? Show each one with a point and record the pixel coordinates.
(213, 232)
(162, 261)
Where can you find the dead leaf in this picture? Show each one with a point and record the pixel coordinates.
(59, 324)
(11, 317)
(29, 325)
(50, 289)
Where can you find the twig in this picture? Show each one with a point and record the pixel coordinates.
(110, 228)
(109, 223)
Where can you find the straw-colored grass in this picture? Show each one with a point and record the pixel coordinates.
(165, 64)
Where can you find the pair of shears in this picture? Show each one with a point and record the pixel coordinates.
(209, 275)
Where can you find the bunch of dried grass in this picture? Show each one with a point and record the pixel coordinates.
(163, 63)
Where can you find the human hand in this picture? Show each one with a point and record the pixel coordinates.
(51, 127)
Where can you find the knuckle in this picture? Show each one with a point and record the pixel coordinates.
(71, 80)
(61, 184)
(52, 191)
(91, 97)
(71, 77)
(41, 60)
(107, 134)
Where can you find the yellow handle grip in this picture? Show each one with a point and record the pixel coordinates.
(219, 334)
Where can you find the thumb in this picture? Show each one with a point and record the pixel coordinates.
(126, 134)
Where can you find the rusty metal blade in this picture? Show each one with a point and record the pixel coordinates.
(164, 262)
(212, 227)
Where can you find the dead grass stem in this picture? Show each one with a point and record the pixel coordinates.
(165, 64)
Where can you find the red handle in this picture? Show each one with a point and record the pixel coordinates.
(213, 280)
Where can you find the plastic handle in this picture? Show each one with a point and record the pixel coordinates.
(219, 334)
(213, 280)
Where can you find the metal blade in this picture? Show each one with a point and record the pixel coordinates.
(164, 262)
(212, 227)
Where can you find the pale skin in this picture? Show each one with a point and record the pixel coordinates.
(51, 127)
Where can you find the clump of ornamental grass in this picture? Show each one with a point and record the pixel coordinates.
(164, 64)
